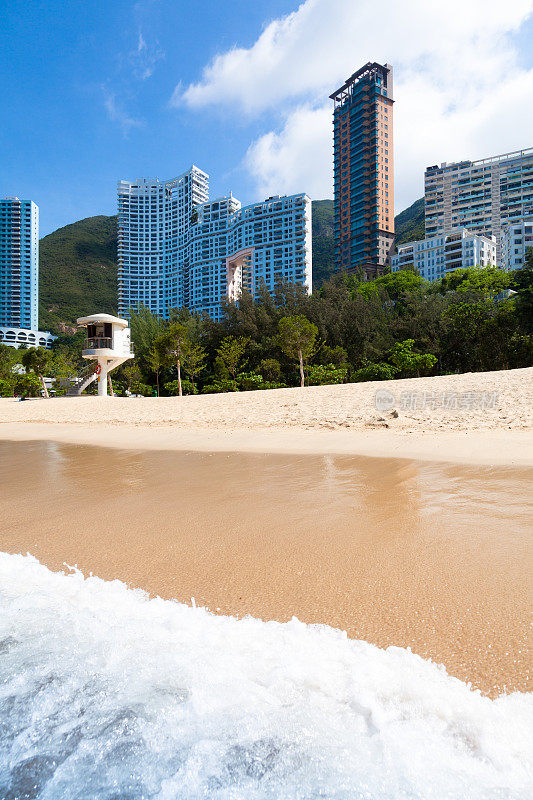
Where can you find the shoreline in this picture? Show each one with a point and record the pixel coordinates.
(499, 448)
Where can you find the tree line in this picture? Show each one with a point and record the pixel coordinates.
(396, 326)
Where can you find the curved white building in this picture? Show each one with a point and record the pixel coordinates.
(176, 248)
(25, 337)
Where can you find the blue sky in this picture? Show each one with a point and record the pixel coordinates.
(62, 147)
(93, 92)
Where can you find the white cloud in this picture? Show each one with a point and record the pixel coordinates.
(145, 57)
(295, 156)
(459, 89)
(117, 113)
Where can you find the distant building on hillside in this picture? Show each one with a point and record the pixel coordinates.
(178, 248)
(483, 196)
(516, 239)
(364, 169)
(19, 274)
(434, 256)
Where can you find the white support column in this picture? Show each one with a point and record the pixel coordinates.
(102, 377)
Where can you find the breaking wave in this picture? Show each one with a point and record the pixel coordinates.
(107, 694)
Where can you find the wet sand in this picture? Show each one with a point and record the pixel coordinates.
(435, 557)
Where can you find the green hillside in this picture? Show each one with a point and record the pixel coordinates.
(77, 272)
(322, 241)
(78, 263)
(409, 224)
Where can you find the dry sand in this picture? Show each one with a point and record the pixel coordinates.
(484, 418)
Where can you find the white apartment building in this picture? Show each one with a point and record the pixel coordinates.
(19, 263)
(483, 196)
(176, 248)
(516, 239)
(154, 218)
(19, 275)
(433, 257)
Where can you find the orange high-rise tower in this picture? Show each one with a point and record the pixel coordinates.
(364, 169)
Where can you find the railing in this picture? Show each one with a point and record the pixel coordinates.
(74, 381)
(99, 343)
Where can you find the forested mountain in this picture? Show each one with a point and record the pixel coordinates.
(322, 241)
(409, 224)
(78, 263)
(77, 272)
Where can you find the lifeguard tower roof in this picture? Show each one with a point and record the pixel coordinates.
(102, 318)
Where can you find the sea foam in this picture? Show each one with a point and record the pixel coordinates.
(107, 694)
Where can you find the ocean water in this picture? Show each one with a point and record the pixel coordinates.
(107, 694)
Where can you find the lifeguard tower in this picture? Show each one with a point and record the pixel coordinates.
(108, 343)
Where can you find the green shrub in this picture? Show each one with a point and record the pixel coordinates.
(7, 386)
(375, 372)
(409, 364)
(187, 387)
(250, 381)
(333, 355)
(28, 385)
(270, 369)
(273, 385)
(219, 386)
(322, 374)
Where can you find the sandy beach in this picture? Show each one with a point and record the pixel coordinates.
(484, 418)
(408, 526)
